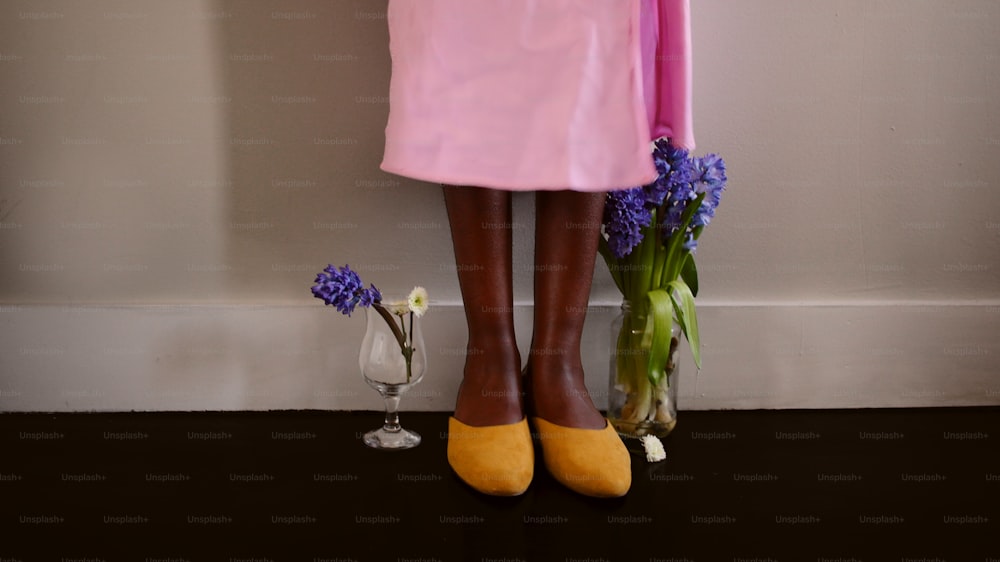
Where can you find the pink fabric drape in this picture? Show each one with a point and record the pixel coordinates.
(666, 61)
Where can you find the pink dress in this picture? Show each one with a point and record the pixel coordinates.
(536, 94)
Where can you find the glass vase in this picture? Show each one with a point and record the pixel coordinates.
(636, 405)
(386, 368)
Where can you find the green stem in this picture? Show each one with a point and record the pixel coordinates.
(633, 363)
(659, 256)
(411, 349)
(400, 333)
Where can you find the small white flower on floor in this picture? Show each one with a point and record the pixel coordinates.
(654, 449)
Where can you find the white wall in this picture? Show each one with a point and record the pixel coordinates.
(172, 175)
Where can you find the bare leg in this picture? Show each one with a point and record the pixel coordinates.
(566, 236)
(480, 220)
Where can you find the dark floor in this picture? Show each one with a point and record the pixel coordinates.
(902, 485)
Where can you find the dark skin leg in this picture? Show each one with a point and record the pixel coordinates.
(481, 228)
(566, 238)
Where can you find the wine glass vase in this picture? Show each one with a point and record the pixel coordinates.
(386, 368)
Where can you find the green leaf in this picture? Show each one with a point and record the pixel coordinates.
(658, 326)
(659, 260)
(689, 273)
(675, 246)
(696, 231)
(687, 316)
(647, 254)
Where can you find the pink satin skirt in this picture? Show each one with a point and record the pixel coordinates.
(536, 94)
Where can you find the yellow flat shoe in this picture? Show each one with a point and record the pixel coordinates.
(498, 460)
(592, 462)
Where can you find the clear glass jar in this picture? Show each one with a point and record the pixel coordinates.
(636, 405)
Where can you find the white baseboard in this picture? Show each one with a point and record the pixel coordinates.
(217, 357)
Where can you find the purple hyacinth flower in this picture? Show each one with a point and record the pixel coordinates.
(709, 177)
(343, 288)
(370, 296)
(625, 215)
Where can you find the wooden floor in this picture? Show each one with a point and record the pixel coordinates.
(901, 485)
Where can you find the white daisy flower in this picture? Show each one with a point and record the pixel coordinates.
(417, 301)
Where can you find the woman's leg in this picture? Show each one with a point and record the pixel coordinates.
(480, 220)
(567, 227)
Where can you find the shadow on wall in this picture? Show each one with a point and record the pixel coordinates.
(199, 151)
(111, 154)
(307, 100)
(302, 91)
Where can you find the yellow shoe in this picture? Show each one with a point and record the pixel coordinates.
(592, 462)
(498, 460)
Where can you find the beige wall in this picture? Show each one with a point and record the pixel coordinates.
(218, 153)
